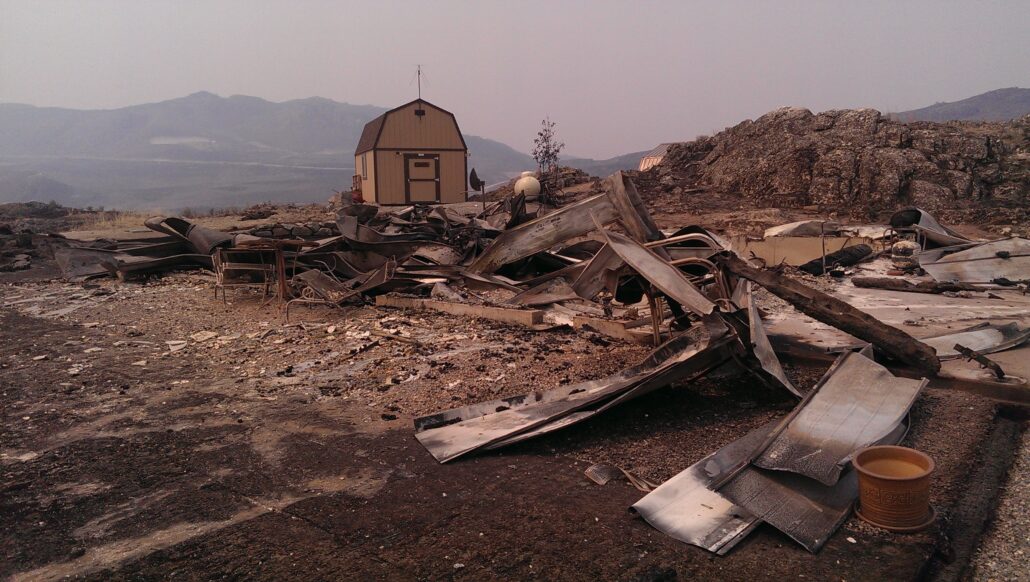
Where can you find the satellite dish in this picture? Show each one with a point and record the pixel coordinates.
(474, 180)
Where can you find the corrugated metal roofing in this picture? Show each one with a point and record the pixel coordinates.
(659, 151)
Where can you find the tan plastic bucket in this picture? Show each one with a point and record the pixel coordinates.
(894, 487)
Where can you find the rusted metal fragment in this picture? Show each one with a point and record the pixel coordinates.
(979, 263)
(981, 359)
(660, 273)
(763, 350)
(984, 338)
(543, 233)
(449, 434)
(856, 403)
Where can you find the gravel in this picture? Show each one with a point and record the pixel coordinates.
(1003, 553)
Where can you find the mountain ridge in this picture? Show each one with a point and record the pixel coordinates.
(205, 149)
(997, 105)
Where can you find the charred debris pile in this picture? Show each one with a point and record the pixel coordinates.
(601, 263)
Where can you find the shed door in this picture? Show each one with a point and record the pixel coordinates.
(422, 178)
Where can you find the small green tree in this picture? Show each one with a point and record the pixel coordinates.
(546, 147)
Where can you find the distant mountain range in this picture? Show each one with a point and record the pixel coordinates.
(205, 151)
(997, 105)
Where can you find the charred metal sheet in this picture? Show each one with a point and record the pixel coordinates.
(980, 263)
(551, 291)
(76, 263)
(353, 231)
(79, 263)
(806, 510)
(335, 292)
(856, 403)
(450, 434)
(204, 240)
(804, 228)
(543, 233)
(832, 311)
(660, 273)
(633, 214)
(937, 232)
(985, 338)
(762, 348)
(686, 509)
(715, 355)
(583, 250)
(347, 264)
(595, 276)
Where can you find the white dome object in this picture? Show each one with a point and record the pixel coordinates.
(528, 185)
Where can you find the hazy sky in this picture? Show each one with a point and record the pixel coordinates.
(615, 76)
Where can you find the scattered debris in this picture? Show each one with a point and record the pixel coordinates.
(718, 501)
(600, 263)
(980, 263)
(203, 336)
(602, 473)
(983, 338)
(981, 359)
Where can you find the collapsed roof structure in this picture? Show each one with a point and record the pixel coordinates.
(603, 263)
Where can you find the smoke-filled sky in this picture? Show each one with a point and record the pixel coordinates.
(615, 76)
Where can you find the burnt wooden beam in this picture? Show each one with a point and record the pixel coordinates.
(832, 311)
(893, 284)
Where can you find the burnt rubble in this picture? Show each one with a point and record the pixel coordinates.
(602, 264)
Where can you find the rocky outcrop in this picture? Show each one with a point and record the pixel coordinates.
(856, 162)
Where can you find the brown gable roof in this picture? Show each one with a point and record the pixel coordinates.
(370, 134)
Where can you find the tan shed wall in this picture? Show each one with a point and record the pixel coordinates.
(452, 177)
(368, 185)
(390, 167)
(435, 130)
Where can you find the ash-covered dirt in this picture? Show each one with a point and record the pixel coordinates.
(265, 450)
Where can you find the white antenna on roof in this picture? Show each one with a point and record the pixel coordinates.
(418, 72)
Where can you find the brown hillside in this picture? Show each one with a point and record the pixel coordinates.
(857, 162)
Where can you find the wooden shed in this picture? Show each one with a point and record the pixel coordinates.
(412, 154)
